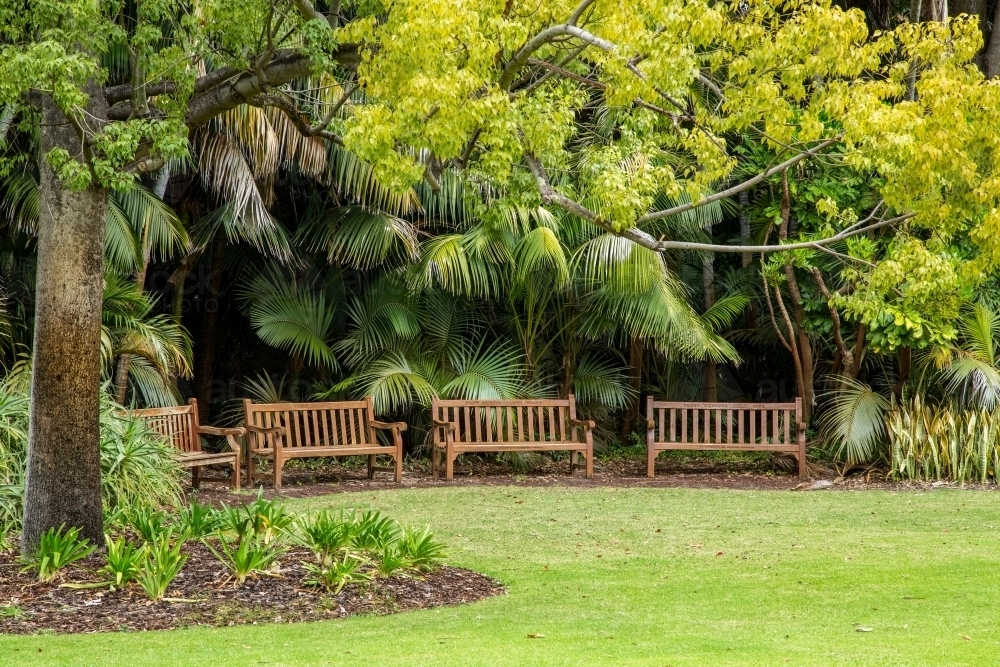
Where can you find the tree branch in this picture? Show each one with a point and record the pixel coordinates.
(659, 215)
(845, 353)
(308, 11)
(552, 196)
(299, 119)
(285, 66)
(568, 29)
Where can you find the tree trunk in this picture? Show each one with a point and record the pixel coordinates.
(991, 57)
(903, 359)
(711, 381)
(206, 360)
(63, 478)
(744, 200)
(636, 354)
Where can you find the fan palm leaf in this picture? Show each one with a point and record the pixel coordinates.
(600, 380)
(359, 237)
(854, 420)
(289, 315)
(488, 372)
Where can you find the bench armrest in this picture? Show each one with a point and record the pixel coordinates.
(388, 425)
(451, 426)
(585, 423)
(212, 430)
(267, 429)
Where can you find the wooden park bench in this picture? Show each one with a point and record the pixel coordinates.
(509, 426)
(752, 427)
(281, 431)
(179, 425)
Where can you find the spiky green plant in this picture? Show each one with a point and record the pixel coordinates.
(58, 548)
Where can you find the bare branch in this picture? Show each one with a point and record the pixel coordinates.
(552, 196)
(299, 119)
(308, 11)
(770, 309)
(578, 12)
(285, 66)
(659, 215)
(550, 34)
(845, 353)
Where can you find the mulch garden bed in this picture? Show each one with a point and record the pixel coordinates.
(203, 594)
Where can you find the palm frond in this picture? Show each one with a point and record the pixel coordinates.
(379, 320)
(614, 263)
(854, 420)
(540, 250)
(359, 237)
(395, 383)
(487, 372)
(600, 380)
(290, 316)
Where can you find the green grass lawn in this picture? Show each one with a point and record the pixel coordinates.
(647, 577)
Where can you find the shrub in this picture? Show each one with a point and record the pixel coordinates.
(56, 550)
(391, 561)
(162, 562)
(150, 525)
(929, 443)
(246, 557)
(197, 521)
(337, 574)
(424, 552)
(326, 535)
(262, 519)
(137, 467)
(123, 560)
(373, 532)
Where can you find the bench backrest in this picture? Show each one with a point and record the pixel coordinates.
(178, 424)
(339, 423)
(485, 422)
(724, 423)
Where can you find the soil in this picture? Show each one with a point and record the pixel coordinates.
(204, 595)
(317, 477)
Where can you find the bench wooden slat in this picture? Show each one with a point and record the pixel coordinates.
(319, 430)
(529, 425)
(179, 427)
(731, 426)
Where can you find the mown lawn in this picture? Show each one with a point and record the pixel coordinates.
(648, 577)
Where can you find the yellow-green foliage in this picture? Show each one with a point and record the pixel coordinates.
(931, 443)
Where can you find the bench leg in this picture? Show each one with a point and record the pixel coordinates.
(590, 460)
(803, 470)
(234, 481)
(398, 463)
(195, 477)
(277, 473)
(572, 463)
(449, 465)
(435, 456)
(650, 462)
(371, 466)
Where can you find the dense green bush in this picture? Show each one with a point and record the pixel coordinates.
(137, 470)
(942, 442)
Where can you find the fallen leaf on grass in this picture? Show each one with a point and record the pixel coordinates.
(695, 546)
(967, 638)
(536, 635)
(862, 628)
(718, 553)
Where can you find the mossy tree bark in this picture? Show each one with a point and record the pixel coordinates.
(63, 482)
